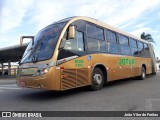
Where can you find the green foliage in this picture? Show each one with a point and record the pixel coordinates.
(147, 37)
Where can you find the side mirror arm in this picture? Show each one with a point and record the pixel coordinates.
(21, 39)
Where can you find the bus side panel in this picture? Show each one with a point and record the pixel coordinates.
(115, 70)
(75, 73)
(54, 79)
(138, 65)
(119, 66)
(148, 63)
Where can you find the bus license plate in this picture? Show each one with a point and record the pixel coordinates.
(22, 83)
(29, 71)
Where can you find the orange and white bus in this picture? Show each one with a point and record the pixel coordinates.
(80, 51)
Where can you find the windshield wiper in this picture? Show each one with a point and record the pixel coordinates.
(35, 58)
(34, 49)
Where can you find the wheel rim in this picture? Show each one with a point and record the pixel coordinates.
(97, 79)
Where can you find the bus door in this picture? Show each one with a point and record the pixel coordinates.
(75, 72)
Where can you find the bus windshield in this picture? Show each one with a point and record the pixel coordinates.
(44, 44)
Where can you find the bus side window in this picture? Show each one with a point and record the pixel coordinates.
(111, 36)
(100, 33)
(146, 50)
(133, 46)
(96, 45)
(141, 48)
(112, 46)
(96, 42)
(91, 31)
(123, 40)
(76, 44)
(124, 45)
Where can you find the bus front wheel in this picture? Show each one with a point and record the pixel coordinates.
(97, 79)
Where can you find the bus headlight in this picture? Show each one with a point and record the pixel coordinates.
(44, 71)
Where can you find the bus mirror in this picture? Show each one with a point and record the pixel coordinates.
(71, 33)
(28, 37)
(21, 41)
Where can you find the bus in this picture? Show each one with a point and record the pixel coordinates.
(81, 51)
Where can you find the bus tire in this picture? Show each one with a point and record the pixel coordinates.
(154, 73)
(143, 73)
(97, 79)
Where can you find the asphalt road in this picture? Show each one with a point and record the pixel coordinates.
(123, 95)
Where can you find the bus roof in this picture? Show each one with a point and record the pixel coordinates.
(99, 23)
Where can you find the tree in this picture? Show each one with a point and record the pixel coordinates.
(147, 37)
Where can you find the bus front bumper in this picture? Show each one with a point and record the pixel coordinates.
(32, 82)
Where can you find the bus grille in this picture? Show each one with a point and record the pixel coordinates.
(71, 81)
(82, 77)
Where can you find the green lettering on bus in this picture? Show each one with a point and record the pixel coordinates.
(126, 61)
(79, 63)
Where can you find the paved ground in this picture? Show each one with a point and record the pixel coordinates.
(7, 81)
(123, 95)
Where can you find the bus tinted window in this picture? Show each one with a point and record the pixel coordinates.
(123, 40)
(96, 45)
(141, 50)
(91, 31)
(140, 45)
(76, 44)
(125, 50)
(100, 34)
(133, 43)
(146, 50)
(134, 51)
(95, 32)
(111, 36)
(113, 48)
(145, 46)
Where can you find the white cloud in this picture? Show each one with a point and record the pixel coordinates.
(8, 40)
(115, 12)
(0, 11)
(132, 10)
(157, 50)
(126, 25)
(141, 25)
(13, 12)
(47, 12)
(44, 12)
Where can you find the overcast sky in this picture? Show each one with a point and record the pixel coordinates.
(27, 17)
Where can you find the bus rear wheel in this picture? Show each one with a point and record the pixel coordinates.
(143, 73)
(97, 79)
